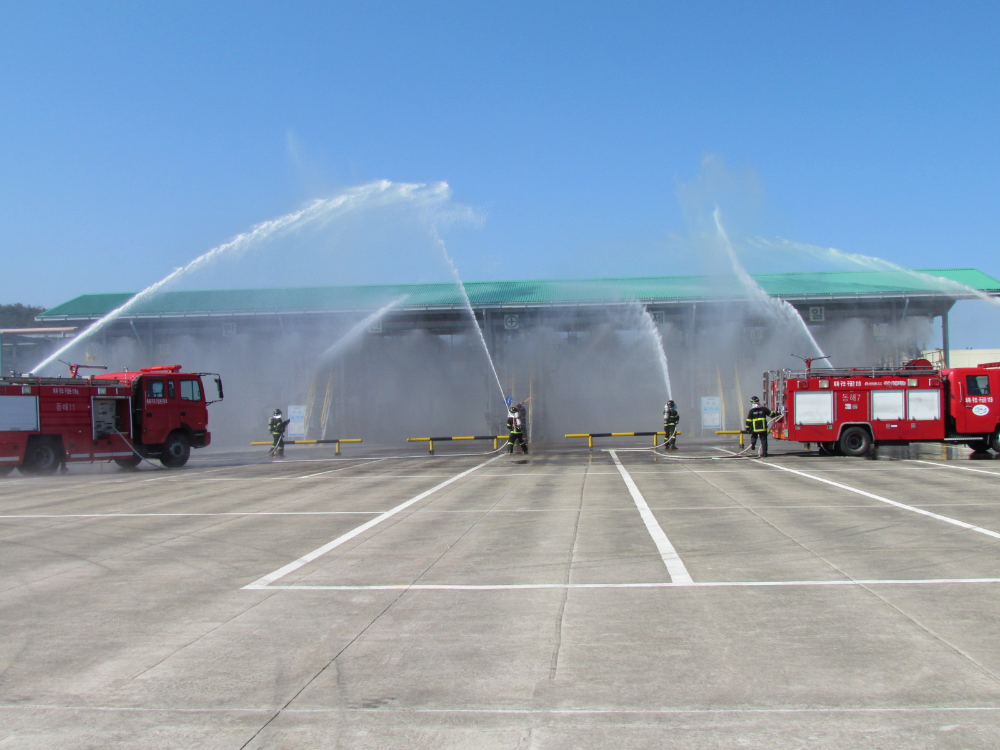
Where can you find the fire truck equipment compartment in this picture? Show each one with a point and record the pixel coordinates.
(18, 413)
(813, 408)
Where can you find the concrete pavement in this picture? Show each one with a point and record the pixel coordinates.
(463, 602)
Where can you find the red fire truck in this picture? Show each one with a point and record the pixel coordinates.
(851, 411)
(157, 412)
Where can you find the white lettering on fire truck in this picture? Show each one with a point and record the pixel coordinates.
(67, 391)
(979, 400)
(867, 383)
(156, 401)
(65, 407)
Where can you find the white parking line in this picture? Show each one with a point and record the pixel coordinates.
(675, 567)
(946, 519)
(261, 583)
(594, 511)
(941, 465)
(660, 585)
(342, 468)
(510, 711)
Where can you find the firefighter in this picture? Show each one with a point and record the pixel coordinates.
(670, 421)
(522, 413)
(756, 424)
(277, 427)
(515, 424)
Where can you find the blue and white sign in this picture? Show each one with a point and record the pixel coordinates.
(711, 413)
(296, 422)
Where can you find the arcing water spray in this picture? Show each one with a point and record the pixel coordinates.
(779, 307)
(382, 192)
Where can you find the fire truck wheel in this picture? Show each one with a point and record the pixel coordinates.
(856, 441)
(979, 446)
(176, 450)
(129, 463)
(995, 440)
(41, 457)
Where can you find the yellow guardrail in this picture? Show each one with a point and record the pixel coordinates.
(335, 442)
(430, 440)
(591, 435)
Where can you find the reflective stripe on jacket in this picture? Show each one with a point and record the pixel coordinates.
(757, 419)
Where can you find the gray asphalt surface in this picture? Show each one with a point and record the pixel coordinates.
(525, 602)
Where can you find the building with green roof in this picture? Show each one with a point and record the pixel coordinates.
(363, 358)
(882, 298)
(929, 291)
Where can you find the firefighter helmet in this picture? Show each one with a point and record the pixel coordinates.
(754, 400)
(277, 412)
(670, 404)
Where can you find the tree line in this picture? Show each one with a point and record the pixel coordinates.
(19, 316)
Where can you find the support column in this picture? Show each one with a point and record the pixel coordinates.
(945, 344)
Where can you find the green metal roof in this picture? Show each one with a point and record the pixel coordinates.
(947, 283)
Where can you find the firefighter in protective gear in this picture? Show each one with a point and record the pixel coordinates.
(522, 413)
(756, 425)
(276, 425)
(670, 420)
(515, 424)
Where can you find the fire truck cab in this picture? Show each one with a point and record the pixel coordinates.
(850, 411)
(157, 412)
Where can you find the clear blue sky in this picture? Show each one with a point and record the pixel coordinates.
(135, 136)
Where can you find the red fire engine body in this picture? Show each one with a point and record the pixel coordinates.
(157, 412)
(851, 411)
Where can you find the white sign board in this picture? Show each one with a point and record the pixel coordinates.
(711, 413)
(296, 422)
(18, 413)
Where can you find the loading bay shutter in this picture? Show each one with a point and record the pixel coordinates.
(18, 413)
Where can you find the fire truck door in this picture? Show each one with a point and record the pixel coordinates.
(192, 407)
(977, 410)
(156, 411)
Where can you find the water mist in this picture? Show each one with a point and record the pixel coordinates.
(776, 307)
(320, 212)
